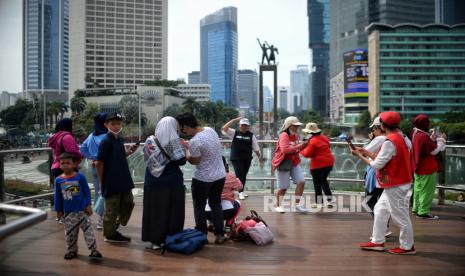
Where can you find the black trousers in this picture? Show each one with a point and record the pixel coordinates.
(201, 191)
(320, 181)
(229, 215)
(241, 168)
(375, 194)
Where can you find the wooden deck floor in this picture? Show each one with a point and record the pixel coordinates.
(312, 244)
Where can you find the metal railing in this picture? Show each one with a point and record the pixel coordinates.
(30, 216)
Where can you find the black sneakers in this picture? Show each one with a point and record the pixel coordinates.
(117, 237)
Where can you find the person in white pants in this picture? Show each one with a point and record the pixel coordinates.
(394, 174)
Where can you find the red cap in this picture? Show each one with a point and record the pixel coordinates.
(390, 118)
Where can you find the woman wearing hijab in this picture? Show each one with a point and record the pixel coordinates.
(164, 191)
(287, 152)
(90, 150)
(63, 141)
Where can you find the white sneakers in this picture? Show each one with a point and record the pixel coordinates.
(279, 209)
(242, 195)
(301, 208)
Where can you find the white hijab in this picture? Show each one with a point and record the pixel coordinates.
(166, 130)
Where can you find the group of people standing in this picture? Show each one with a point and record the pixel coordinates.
(391, 158)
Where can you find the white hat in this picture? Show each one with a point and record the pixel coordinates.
(244, 121)
(290, 121)
(311, 128)
(376, 122)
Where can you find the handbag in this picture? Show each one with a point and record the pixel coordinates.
(260, 234)
(285, 165)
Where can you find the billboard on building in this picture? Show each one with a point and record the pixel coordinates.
(356, 73)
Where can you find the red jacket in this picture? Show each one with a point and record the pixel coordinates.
(319, 151)
(422, 145)
(63, 140)
(398, 170)
(287, 147)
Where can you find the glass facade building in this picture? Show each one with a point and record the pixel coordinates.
(247, 93)
(416, 69)
(349, 20)
(45, 51)
(218, 54)
(319, 38)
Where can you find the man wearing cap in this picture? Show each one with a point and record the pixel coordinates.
(394, 174)
(243, 143)
(424, 153)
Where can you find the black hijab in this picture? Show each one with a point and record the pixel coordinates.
(99, 120)
(65, 124)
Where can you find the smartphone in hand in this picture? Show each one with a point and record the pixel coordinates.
(349, 141)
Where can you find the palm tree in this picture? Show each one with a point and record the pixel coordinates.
(191, 105)
(78, 104)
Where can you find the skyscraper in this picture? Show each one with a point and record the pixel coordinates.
(247, 93)
(117, 43)
(450, 12)
(45, 51)
(193, 77)
(300, 85)
(218, 54)
(349, 20)
(319, 37)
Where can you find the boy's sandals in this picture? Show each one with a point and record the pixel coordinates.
(94, 254)
(70, 255)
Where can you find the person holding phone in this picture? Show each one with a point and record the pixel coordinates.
(394, 174)
(425, 149)
(321, 163)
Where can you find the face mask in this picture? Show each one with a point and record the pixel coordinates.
(115, 133)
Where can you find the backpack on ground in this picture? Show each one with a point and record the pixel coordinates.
(185, 242)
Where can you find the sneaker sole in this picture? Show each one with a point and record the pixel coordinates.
(379, 249)
(406, 253)
(113, 241)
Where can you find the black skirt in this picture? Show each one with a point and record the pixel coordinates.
(164, 205)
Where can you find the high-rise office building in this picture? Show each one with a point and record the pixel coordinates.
(117, 43)
(193, 77)
(218, 54)
(283, 97)
(45, 51)
(300, 84)
(349, 20)
(247, 92)
(319, 38)
(416, 69)
(450, 12)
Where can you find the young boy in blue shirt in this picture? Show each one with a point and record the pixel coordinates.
(73, 204)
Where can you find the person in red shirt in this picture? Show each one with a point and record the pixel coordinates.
(287, 150)
(321, 163)
(424, 162)
(394, 173)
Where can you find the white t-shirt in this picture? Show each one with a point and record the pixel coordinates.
(375, 144)
(231, 132)
(206, 145)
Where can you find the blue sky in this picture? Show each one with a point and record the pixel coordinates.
(280, 22)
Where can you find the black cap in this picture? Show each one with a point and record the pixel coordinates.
(113, 116)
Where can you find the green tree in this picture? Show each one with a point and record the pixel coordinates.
(22, 113)
(364, 120)
(172, 110)
(191, 105)
(84, 122)
(283, 113)
(310, 116)
(334, 131)
(164, 83)
(129, 106)
(406, 126)
(78, 104)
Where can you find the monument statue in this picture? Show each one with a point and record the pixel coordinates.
(272, 57)
(264, 52)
